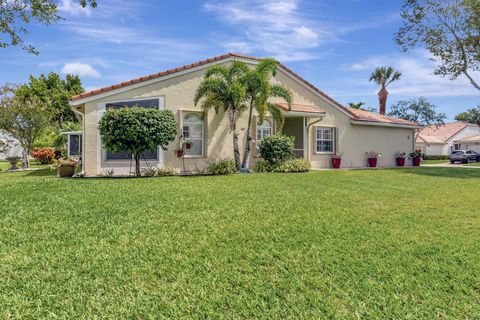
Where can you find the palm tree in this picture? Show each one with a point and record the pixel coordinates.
(259, 91)
(356, 105)
(222, 88)
(383, 77)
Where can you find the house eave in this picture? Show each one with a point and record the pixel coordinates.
(384, 124)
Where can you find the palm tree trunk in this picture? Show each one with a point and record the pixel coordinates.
(246, 154)
(382, 98)
(233, 128)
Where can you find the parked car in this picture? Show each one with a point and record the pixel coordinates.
(464, 156)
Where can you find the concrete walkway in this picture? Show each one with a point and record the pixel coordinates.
(450, 165)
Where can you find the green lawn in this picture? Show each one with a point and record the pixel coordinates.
(5, 165)
(369, 244)
(474, 164)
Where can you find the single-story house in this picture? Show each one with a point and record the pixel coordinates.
(15, 151)
(468, 143)
(321, 126)
(443, 139)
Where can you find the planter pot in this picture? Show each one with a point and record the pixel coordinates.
(188, 145)
(66, 171)
(400, 162)
(372, 162)
(416, 161)
(336, 162)
(179, 153)
(13, 162)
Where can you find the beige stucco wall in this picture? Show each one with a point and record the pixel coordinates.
(178, 93)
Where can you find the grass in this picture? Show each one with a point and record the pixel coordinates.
(5, 165)
(434, 161)
(370, 244)
(474, 164)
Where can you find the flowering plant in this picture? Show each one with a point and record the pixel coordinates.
(66, 162)
(415, 154)
(337, 155)
(400, 154)
(373, 154)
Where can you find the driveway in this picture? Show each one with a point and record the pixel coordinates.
(450, 165)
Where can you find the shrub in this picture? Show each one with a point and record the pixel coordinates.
(293, 165)
(165, 172)
(276, 149)
(435, 157)
(225, 166)
(149, 172)
(43, 155)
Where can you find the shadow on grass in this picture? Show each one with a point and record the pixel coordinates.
(457, 173)
(40, 173)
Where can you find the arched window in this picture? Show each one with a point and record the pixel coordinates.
(193, 131)
(264, 130)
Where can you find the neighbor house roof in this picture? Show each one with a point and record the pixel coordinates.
(301, 108)
(475, 138)
(440, 133)
(357, 115)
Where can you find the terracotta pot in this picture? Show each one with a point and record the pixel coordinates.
(179, 153)
(372, 162)
(400, 162)
(66, 171)
(416, 161)
(336, 162)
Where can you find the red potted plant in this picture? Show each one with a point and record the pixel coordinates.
(336, 160)
(400, 158)
(372, 157)
(179, 153)
(416, 157)
(188, 145)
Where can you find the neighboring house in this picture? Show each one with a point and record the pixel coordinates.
(16, 151)
(469, 143)
(442, 139)
(321, 126)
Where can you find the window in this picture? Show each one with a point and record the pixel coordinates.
(193, 131)
(264, 130)
(457, 146)
(74, 145)
(325, 140)
(123, 155)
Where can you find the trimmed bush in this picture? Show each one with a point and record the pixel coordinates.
(289, 166)
(225, 166)
(44, 155)
(276, 149)
(435, 157)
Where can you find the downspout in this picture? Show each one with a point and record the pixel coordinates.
(80, 116)
(309, 125)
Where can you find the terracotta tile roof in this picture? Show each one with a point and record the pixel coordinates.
(475, 138)
(443, 132)
(362, 115)
(429, 139)
(301, 108)
(355, 114)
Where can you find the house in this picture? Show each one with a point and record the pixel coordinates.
(15, 151)
(321, 126)
(468, 143)
(442, 139)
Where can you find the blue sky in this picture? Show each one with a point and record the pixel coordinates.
(333, 44)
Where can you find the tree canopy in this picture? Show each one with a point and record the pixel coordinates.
(16, 15)
(54, 94)
(383, 76)
(449, 30)
(136, 130)
(470, 116)
(420, 111)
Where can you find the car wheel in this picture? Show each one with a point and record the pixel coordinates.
(452, 162)
(467, 161)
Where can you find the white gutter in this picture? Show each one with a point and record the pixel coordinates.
(384, 124)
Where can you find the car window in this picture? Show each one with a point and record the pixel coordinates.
(468, 152)
(458, 153)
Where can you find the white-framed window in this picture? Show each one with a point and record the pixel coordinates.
(264, 130)
(325, 140)
(193, 131)
(457, 146)
(143, 103)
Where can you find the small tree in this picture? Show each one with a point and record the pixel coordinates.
(136, 130)
(419, 111)
(25, 121)
(383, 77)
(470, 116)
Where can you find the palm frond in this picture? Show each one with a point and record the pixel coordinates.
(211, 86)
(267, 66)
(217, 71)
(280, 91)
(277, 114)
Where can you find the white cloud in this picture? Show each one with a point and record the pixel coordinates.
(73, 8)
(80, 69)
(278, 28)
(417, 77)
